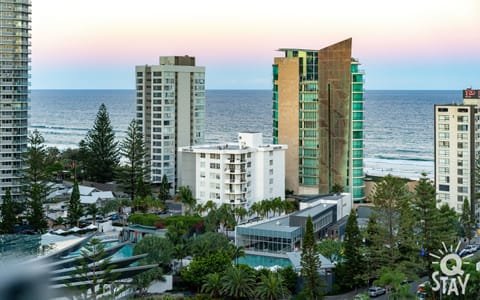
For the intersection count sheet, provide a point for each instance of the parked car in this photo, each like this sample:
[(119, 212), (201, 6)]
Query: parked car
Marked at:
[(375, 291)]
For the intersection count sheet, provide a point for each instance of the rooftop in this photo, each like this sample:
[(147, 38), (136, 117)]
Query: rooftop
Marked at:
[(313, 211), (279, 224), (310, 199)]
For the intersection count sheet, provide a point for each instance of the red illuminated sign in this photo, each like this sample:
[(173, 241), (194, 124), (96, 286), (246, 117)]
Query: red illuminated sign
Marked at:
[(471, 94)]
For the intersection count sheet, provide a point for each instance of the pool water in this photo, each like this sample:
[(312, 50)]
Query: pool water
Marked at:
[(125, 251), (265, 261)]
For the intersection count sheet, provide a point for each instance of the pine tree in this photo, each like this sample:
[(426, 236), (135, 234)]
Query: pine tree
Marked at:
[(354, 264), (135, 170), (75, 211), (434, 229), (36, 180), (164, 193), (387, 197), (95, 269), (100, 148), (408, 248), (9, 219), (376, 255), (466, 219), (310, 262)]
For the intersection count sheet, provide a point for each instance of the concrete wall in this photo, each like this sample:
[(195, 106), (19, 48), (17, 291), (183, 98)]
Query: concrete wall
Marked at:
[(288, 108)]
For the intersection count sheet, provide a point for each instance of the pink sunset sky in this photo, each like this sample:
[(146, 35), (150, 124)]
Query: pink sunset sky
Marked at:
[(409, 44)]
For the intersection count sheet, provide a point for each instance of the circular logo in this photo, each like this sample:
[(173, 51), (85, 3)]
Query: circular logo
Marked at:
[(452, 270)]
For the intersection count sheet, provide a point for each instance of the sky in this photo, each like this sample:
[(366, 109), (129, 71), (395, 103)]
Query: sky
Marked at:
[(408, 44)]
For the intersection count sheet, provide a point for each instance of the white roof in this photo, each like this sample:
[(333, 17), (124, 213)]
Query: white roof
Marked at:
[(88, 199), (59, 231), (84, 190), (74, 229), (103, 195)]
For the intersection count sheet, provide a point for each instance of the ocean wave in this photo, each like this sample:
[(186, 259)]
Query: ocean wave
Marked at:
[(58, 127), (403, 157)]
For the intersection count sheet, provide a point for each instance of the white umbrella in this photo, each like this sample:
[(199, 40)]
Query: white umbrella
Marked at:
[(74, 229), (91, 226)]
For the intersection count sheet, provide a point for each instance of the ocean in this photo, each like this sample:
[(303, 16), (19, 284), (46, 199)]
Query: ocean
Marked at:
[(398, 124)]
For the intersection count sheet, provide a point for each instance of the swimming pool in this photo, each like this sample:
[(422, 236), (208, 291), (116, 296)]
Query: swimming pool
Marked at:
[(125, 251), (265, 261)]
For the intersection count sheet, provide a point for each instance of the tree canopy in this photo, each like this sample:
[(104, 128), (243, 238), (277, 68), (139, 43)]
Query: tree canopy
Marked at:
[(99, 149)]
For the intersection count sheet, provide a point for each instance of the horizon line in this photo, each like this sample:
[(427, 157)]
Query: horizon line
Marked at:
[(220, 89)]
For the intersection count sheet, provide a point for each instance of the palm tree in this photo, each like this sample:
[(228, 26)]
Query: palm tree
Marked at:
[(240, 212), (225, 217), (200, 209), (271, 287), (60, 222), (185, 196), (254, 209), (237, 284), (212, 285), (239, 252), (265, 207), (209, 206), (277, 205), (289, 206), (93, 210)]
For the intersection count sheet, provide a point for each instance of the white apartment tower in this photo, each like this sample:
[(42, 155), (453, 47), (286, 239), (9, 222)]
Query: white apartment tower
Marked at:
[(457, 147), (170, 110), (237, 173), (14, 96)]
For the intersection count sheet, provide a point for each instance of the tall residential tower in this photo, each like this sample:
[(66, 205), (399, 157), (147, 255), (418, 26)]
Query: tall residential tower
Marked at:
[(14, 96), (457, 150), (318, 113), (170, 111)]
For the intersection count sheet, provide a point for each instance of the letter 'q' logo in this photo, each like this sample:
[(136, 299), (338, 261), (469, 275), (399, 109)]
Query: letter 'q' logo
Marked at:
[(453, 276)]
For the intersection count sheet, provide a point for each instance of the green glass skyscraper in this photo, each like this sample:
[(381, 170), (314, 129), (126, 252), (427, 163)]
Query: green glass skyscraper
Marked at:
[(318, 113)]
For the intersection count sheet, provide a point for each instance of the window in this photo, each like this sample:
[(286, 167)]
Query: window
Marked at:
[(460, 172), (202, 155), (444, 179), (462, 127), (462, 189), (443, 118), (443, 197), (444, 135), (444, 161), (444, 170), (442, 109), (443, 127), (463, 110), (461, 145), (271, 162), (462, 119), (270, 181), (444, 188), (460, 180), (444, 144), (444, 153)]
